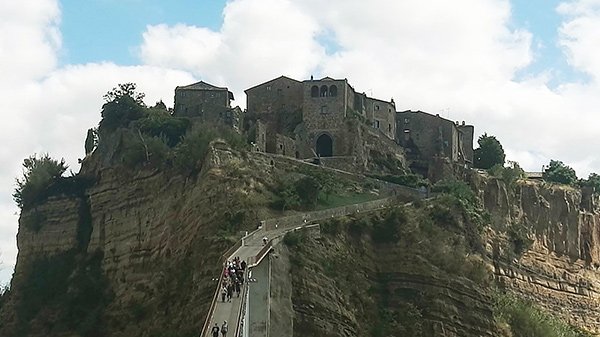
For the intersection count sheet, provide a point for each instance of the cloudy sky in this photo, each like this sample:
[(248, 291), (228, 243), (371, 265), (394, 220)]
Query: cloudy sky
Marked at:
[(526, 71)]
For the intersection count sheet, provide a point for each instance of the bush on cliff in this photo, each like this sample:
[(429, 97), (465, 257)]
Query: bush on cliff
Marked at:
[(38, 174), (525, 319), (559, 172)]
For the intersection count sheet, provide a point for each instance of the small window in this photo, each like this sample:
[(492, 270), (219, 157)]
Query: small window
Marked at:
[(377, 124), (389, 127), (324, 91), (281, 146), (268, 88), (333, 91), (324, 109), (376, 107), (406, 120), (314, 91)]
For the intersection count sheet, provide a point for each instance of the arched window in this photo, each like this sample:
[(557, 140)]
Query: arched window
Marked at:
[(323, 92), (333, 91), (314, 91)]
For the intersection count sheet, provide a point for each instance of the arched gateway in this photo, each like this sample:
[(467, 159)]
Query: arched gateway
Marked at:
[(324, 146)]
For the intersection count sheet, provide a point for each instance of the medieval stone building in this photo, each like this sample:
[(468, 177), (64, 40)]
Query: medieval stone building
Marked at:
[(309, 118), (206, 102), (328, 119), (425, 136)]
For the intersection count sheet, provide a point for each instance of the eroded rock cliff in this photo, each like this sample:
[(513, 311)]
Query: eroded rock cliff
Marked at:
[(558, 270)]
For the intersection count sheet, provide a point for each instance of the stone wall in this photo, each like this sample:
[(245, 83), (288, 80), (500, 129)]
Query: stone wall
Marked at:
[(276, 96), (200, 103)]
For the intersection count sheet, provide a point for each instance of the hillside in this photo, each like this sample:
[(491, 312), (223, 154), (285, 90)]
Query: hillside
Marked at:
[(132, 245)]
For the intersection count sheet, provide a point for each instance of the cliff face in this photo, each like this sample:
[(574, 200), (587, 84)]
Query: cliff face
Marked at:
[(559, 270), (159, 236)]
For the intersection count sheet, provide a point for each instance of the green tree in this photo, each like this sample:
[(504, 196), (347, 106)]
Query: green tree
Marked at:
[(308, 189), (125, 90), (593, 180), (38, 174), (489, 152), (559, 172), (123, 105)]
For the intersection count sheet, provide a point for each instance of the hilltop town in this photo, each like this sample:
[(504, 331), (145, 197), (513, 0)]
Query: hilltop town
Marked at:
[(329, 120)]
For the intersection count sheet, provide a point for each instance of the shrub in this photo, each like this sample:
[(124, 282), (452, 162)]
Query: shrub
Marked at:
[(388, 230), (159, 123), (519, 238), (526, 319), (509, 175), (308, 189), (293, 238), (38, 175), (144, 149), (409, 179), (558, 172)]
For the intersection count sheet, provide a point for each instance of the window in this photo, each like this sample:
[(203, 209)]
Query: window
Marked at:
[(314, 91), (376, 107), (268, 88), (376, 124), (406, 120), (323, 92), (333, 91), (389, 127), (324, 109)]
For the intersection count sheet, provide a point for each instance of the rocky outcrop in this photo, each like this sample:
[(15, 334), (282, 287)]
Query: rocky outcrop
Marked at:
[(559, 271)]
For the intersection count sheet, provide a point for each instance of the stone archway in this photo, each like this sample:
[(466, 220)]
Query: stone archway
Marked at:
[(324, 146)]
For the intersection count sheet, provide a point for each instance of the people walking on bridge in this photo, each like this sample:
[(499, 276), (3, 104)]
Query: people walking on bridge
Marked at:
[(224, 329), (215, 330), (229, 292), (237, 288), (223, 293)]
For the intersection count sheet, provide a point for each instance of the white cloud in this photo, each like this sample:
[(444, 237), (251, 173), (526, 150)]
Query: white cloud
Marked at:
[(49, 109)]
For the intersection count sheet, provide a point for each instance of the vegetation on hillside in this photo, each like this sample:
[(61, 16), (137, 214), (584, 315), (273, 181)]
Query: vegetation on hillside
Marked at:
[(38, 174), (559, 172)]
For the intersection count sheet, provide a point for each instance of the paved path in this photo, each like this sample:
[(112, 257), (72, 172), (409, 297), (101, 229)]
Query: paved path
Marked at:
[(230, 311)]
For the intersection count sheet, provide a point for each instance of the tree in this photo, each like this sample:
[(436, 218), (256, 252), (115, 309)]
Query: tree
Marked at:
[(38, 174), (125, 90), (558, 172), (123, 105), (489, 152), (593, 180)]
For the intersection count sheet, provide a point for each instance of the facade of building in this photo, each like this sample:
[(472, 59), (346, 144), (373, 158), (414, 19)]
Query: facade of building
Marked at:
[(328, 118), (313, 114), (208, 103), (425, 136)]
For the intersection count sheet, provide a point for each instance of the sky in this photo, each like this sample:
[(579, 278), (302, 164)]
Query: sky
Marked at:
[(525, 71)]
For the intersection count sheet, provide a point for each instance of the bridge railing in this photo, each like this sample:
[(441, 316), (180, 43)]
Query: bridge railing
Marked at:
[(213, 304)]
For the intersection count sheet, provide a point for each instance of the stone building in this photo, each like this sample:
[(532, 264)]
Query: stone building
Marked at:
[(425, 136), (310, 118), (208, 103)]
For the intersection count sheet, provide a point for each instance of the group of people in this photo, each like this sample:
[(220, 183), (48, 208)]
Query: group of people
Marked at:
[(233, 279), (215, 329)]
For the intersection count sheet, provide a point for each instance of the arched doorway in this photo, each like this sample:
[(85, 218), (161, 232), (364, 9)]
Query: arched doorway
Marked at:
[(324, 146)]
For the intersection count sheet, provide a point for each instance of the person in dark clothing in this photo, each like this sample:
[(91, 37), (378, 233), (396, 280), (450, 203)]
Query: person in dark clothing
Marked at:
[(229, 292), (215, 330), (237, 288), (223, 294), (243, 265)]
